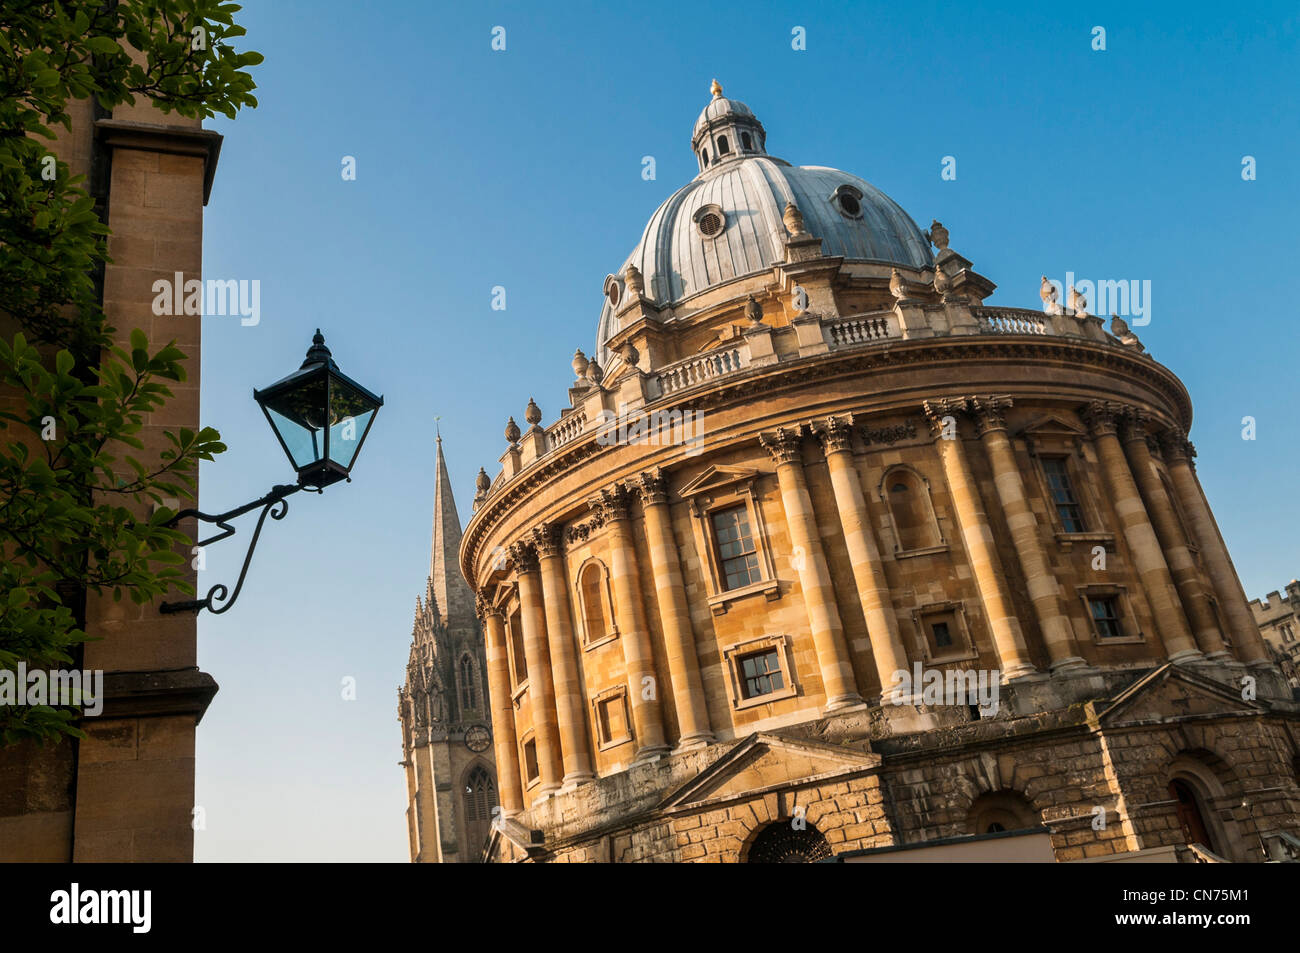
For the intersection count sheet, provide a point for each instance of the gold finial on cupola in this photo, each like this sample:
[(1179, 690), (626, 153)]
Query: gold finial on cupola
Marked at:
[(716, 89)]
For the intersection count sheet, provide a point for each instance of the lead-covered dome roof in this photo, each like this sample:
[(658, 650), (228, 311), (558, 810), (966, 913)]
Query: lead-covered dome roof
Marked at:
[(727, 223)]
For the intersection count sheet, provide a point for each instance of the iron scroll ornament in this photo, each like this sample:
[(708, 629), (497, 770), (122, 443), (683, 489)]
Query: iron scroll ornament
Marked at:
[(219, 597)]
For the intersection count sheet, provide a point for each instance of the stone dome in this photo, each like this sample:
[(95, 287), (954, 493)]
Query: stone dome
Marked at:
[(726, 224)]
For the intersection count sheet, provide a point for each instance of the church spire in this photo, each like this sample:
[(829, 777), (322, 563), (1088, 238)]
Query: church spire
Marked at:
[(452, 595)]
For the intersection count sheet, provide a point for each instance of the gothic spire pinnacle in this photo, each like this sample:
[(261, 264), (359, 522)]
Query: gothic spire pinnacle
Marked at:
[(452, 599)]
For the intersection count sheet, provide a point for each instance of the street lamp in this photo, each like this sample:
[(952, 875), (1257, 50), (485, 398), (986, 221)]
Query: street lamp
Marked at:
[(321, 418)]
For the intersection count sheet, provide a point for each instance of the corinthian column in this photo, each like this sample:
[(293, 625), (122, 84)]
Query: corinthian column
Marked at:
[(814, 575), (510, 787), (674, 615), (570, 709), (1149, 561), (541, 692), (1044, 591), (887, 648), (1187, 578), (1247, 641), (977, 536), (638, 654)]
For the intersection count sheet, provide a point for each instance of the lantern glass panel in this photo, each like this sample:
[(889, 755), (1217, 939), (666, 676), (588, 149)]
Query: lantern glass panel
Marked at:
[(350, 415), (298, 415)]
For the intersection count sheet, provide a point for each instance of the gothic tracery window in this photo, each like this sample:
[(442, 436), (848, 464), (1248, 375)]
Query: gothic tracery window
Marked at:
[(480, 796), (468, 693)]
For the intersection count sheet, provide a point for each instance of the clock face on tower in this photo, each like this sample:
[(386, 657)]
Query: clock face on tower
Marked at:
[(478, 738)]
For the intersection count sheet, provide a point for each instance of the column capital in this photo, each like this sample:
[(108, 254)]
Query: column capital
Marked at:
[(938, 409), (1176, 447), (652, 487), (1102, 417), (524, 555), (835, 434), (485, 609), (990, 412), (1133, 423), (783, 443), (611, 504), (548, 540)]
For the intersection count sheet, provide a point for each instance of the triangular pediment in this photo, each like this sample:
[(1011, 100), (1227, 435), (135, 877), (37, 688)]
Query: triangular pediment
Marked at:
[(717, 477), (764, 762), (1050, 425), (1172, 692)]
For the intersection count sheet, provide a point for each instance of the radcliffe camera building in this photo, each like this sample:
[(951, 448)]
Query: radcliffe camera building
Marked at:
[(836, 463)]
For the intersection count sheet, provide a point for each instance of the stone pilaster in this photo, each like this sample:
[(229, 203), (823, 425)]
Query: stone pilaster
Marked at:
[(570, 705), (537, 655), (977, 536), (814, 576), (1247, 642), (1183, 568), (674, 615), (1044, 590), (887, 649), (1102, 420), (510, 785), (638, 654)]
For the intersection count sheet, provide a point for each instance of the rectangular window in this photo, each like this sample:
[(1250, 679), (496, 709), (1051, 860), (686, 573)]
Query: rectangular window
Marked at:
[(1067, 505), (517, 648), (1105, 616), (760, 673), (942, 637), (737, 557), (611, 719), (531, 772)]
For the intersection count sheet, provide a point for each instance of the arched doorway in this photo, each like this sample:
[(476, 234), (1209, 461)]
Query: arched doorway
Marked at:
[(781, 843), (1187, 805), (1000, 811)]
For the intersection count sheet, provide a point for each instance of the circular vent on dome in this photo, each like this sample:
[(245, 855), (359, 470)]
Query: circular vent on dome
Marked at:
[(710, 220)]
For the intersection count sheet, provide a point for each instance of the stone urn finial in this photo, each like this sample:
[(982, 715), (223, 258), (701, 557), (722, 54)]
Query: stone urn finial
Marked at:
[(632, 278), (753, 311), (1119, 327), (938, 235), (482, 482), (1047, 291), (512, 431), (594, 373), (1078, 303), (941, 283), (533, 413), (793, 219), (897, 286), (580, 364), (629, 354)]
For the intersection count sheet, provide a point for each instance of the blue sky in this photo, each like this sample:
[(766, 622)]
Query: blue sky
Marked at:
[(522, 168)]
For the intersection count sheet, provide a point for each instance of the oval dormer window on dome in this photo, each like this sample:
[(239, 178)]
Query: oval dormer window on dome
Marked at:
[(613, 290), (848, 199), (710, 220)]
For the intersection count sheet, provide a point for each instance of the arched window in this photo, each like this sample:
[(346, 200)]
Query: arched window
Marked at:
[(747, 142), (468, 695), (909, 506), (593, 597), (480, 796), (1000, 811), (724, 148), (517, 647), (704, 157), (781, 843)]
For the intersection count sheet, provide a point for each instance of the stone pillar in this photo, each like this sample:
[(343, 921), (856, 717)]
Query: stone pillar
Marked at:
[(1247, 641), (674, 615), (541, 692), (570, 703), (1044, 590), (510, 788), (638, 654), (1183, 568), (887, 648), (814, 575), (1013, 654), (1149, 561)]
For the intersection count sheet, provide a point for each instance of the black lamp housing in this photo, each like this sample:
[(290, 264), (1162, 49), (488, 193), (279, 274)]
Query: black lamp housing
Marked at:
[(320, 416)]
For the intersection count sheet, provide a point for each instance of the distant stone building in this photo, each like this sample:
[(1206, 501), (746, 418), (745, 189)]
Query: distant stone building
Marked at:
[(807, 480), (443, 706), (1278, 618)]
